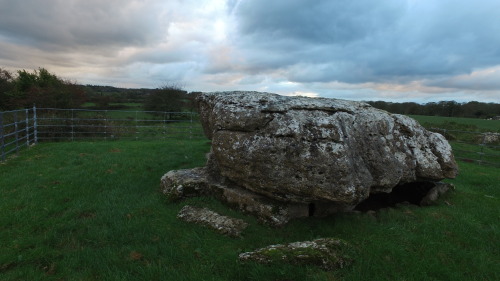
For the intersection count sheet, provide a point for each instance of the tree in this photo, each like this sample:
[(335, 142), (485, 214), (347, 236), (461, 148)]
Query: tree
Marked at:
[(43, 89), (168, 98), (6, 87), (192, 105)]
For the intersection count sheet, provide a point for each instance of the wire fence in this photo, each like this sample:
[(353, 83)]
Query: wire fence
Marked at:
[(23, 128), (79, 124), (479, 147), (17, 130)]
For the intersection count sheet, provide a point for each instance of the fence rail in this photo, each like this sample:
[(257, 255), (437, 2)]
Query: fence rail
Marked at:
[(20, 128), (23, 128), (480, 147), (17, 129), (76, 124)]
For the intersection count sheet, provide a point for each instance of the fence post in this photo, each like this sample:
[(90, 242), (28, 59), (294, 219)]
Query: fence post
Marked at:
[(16, 133), (72, 124), (27, 128), (2, 141), (136, 126), (165, 129), (35, 124), (106, 125), (191, 125), (481, 153)]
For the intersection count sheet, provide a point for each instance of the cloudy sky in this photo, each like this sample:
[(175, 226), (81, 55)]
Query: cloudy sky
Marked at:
[(393, 50)]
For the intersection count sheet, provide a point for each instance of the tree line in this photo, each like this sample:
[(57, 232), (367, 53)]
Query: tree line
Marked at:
[(472, 109), (39, 87), (25, 89)]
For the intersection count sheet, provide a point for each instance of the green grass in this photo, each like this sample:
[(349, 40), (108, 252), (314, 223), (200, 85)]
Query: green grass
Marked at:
[(124, 105), (114, 124), (125, 114), (129, 105), (481, 154), (465, 137), (93, 211), (439, 122), (88, 104)]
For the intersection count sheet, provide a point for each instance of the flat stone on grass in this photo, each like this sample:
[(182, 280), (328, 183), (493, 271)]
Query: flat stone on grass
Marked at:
[(327, 253), (203, 216)]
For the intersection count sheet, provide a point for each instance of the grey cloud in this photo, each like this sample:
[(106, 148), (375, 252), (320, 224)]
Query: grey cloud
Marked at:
[(317, 21), (486, 80), (160, 55), (77, 24), (370, 41), (378, 47), (231, 5)]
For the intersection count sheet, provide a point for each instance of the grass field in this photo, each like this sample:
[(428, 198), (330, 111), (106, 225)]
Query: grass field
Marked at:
[(465, 137), (122, 105), (471, 123), (93, 211), (70, 124)]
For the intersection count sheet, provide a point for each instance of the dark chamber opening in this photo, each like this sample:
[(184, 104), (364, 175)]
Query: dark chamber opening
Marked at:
[(412, 193), (312, 209)]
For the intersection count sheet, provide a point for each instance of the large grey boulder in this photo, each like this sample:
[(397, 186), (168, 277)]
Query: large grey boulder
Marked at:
[(298, 149), (308, 156)]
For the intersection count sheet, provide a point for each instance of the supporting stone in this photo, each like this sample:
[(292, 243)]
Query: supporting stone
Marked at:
[(180, 184)]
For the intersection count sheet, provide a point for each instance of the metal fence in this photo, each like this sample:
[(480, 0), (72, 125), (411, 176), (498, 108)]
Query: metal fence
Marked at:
[(78, 124), (17, 130), (20, 128), (479, 147)]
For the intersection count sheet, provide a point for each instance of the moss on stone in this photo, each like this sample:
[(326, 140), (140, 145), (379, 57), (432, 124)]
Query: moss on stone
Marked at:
[(327, 253)]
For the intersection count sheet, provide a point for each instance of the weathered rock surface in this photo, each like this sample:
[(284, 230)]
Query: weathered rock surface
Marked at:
[(327, 253), (435, 192), (285, 157), (206, 217), (489, 138), (196, 182), (298, 149), (180, 184)]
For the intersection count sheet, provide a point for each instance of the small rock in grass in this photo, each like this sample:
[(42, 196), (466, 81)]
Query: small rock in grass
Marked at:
[(184, 183), (434, 193), (327, 253), (225, 225)]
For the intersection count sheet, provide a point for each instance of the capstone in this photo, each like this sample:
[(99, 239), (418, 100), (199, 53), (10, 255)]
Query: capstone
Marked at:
[(308, 156)]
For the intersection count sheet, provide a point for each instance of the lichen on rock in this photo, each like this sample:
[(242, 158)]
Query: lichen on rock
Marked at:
[(282, 157), (206, 217), (298, 149), (327, 253), (180, 184)]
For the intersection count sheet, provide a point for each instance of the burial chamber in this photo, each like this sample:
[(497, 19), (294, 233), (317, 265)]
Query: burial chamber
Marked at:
[(281, 157)]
